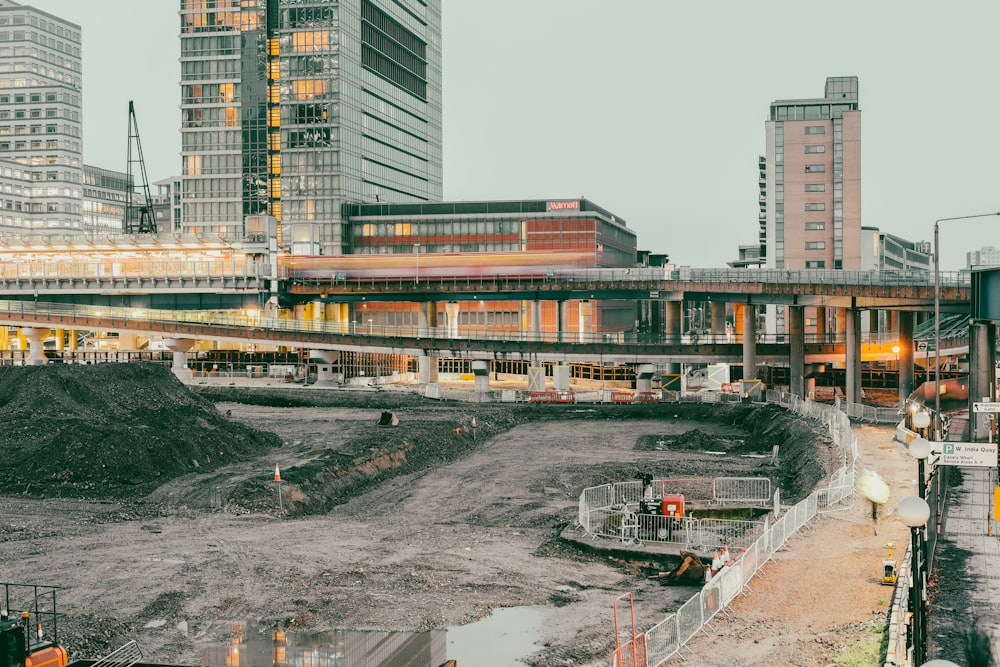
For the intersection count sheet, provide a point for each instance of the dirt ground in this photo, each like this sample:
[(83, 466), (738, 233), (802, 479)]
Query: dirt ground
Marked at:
[(435, 523)]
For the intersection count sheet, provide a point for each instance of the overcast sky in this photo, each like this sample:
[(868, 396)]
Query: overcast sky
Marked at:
[(653, 109)]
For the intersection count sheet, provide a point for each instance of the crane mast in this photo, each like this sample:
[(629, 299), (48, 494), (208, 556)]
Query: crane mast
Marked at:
[(138, 206)]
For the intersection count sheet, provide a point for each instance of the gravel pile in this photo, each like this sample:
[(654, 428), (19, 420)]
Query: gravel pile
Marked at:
[(110, 431)]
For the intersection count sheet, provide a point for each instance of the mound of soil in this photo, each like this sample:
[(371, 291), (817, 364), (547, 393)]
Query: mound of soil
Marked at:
[(110, 431)]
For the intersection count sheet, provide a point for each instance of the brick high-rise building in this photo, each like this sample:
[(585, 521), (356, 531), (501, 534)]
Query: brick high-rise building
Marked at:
[(813, 180)]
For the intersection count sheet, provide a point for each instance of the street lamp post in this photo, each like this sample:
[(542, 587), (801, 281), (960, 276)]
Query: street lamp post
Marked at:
[(921, 420), (914, 512), (937, 317), (920, 449), (899, 376)]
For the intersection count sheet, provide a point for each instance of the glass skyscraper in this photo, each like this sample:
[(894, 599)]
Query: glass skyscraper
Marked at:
[(295, 108)]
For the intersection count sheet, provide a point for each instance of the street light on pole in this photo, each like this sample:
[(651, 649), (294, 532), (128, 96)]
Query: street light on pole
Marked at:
[(921, 420), (914, 512), (920, 449), (937, 317)]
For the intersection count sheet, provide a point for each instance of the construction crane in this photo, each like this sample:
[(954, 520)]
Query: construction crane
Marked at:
[(138, 206)]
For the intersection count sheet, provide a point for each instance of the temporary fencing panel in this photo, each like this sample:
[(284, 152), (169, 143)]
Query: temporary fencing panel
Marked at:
[(690, 619), (694, 489), (662, 640), (743, 489)]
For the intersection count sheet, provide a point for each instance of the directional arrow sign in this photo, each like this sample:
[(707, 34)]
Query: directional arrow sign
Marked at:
[(966, 454), (986, 407)]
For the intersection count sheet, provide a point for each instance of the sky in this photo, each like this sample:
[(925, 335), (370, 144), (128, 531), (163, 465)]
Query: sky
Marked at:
[(652, 109)]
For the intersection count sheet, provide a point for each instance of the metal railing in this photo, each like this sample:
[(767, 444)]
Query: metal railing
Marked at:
[(666, 638)]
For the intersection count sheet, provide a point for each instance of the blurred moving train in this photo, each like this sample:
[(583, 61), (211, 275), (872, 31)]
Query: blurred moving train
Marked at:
[(528, 264)]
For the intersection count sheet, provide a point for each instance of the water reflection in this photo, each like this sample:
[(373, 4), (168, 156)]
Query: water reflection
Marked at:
[(251, 646), (502, 639)]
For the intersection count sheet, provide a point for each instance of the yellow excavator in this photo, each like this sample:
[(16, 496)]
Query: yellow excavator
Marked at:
[(889, 573)]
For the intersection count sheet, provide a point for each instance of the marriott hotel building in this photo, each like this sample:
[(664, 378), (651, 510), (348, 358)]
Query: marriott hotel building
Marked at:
[(296, 108)]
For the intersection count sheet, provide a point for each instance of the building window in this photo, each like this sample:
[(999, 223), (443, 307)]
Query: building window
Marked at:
[(817, 264), (815, 129), (815, 207), (815, 187), (812, 226), (816, 149), (815, 245), (815, 168)]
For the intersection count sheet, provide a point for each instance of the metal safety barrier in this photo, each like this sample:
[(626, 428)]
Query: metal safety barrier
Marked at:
[(666, 638)]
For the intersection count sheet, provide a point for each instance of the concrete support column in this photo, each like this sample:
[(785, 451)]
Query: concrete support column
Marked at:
[(749, 342), (893, 317), (535, 319), (481, 385), (718, 318), (299, 311), (427, 369), (35, 338), (427, 319), (905, 356), (5, 338), (644, 377), (536, 378), (324, 365), (842, 317), (852, 365), (982, 362), (672, 332), (560, 377), (452, 309), (60, 339), (585, 319), (72, 339), (563, 321), (873, 328), (180, 347), (673, 323), (797, 351)]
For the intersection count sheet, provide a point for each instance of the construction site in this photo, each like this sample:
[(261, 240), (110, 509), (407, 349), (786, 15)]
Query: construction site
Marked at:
[(168, 513)]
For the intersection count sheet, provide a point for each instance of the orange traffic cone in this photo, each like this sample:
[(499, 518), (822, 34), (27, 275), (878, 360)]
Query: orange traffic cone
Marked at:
[(277, 473), (716, 562), (726, 558)]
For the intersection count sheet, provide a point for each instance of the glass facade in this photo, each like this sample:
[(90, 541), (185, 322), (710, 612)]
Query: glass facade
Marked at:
[(577, 227), (104, 197), (40, 123), (296, 108)]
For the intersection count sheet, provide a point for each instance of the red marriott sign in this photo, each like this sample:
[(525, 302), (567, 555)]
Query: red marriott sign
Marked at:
[(562, 206)]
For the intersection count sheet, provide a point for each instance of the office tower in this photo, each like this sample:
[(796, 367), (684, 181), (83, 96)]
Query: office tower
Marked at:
[(40, 120), (295, 108), (813, 180)]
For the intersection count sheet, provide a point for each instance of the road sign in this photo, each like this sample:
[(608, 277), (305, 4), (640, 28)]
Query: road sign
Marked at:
[(924, 346), (654, 294), (986, 407), (966, 454)]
